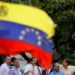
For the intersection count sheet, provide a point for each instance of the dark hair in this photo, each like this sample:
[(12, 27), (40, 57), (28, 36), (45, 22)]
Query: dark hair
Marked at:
[(5, 56), (31, 59), (66, 60), (13, 59)]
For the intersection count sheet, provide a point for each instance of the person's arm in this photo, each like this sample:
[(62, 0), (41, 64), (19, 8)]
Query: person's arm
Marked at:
[(27, 70), (26, 73), (1, 72)]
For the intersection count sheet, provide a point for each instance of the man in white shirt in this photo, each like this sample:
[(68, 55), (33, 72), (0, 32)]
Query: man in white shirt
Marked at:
[(4, 69), (15, 70), (32, 69), (68, 70)]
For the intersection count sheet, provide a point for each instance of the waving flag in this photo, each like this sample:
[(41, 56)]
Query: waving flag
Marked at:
[(26, 29)]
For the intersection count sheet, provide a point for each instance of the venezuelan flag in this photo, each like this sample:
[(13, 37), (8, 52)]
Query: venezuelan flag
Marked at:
[(26, 29)]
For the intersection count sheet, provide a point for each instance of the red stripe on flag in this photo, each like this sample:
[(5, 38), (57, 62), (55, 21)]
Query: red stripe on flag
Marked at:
[(14, 47)]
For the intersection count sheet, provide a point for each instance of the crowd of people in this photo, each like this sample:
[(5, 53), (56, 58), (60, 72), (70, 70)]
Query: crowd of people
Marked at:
[(11, 66), (63, 69)]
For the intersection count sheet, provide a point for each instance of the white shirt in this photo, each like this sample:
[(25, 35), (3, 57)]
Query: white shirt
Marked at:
[(37, 70), (14, 71), (32, 70), (69, 71), (4, 69)]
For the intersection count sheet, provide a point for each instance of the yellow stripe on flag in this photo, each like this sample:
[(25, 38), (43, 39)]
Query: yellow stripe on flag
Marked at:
[(27, 15)]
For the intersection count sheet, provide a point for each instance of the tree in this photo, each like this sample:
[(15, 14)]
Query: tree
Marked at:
[(63, 14)]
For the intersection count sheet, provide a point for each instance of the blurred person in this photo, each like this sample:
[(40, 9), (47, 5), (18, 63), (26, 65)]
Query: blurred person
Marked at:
[(44, 72), (15, 70), (32, 68), (51, 69), (68, 70), (11, 63), (57, 70), (4, 69)]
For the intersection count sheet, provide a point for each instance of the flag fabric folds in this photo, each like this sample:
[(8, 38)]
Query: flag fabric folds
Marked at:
[(26, 29)]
